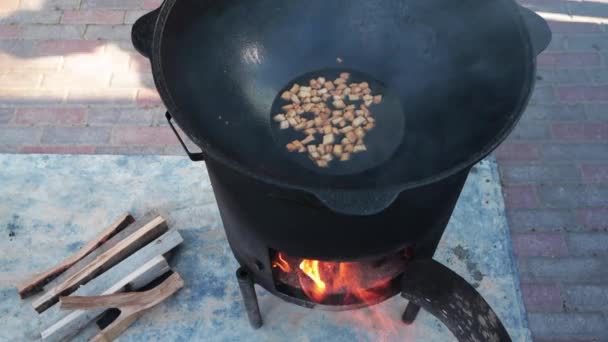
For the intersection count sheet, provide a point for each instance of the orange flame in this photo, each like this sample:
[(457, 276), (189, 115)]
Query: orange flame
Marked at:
[(320, 279), (282, 264), (311, 269)]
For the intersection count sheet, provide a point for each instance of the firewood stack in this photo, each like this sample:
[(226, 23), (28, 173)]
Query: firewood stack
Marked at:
[(124, 257)]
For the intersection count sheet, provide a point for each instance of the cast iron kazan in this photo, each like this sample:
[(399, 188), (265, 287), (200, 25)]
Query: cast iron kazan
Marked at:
[(461, 71)]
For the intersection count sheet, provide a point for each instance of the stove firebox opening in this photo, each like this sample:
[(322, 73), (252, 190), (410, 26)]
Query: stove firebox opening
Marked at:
[(340, 285)]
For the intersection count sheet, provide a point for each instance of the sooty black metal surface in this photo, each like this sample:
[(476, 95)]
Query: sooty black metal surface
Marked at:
[(451, 299), (463, 72)]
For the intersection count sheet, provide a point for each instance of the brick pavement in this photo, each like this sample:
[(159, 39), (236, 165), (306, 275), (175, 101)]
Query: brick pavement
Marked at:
[(70, 82), (554, 170)]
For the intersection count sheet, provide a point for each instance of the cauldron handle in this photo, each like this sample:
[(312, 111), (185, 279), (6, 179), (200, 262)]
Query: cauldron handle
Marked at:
[(142, 32), (200, 156), (446, 295), (540, 33)]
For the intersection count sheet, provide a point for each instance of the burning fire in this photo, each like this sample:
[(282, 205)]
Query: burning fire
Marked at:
[(345, 283), (282, 263), (321, 279)]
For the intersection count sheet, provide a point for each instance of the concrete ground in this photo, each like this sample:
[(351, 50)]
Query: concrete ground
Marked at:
[(48, 210), (70, 82)]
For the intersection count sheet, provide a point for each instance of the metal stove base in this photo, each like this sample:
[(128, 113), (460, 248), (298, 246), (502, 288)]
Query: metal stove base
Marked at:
[(50, 202)]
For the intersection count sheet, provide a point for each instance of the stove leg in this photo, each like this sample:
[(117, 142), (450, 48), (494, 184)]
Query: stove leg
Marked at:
[(410, 313), (249, 297)]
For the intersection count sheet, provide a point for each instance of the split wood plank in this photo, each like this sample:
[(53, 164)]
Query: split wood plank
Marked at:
[(99, 251), (99, 285), (111, 257), (77, 320), (131, 305), (36, 283)]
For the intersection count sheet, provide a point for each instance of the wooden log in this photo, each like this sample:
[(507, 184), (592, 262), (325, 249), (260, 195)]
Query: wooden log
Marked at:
[(99, 285), (36, 283), (99, 251), (137, 305), (75, 321), (103, 262), (144, 299)]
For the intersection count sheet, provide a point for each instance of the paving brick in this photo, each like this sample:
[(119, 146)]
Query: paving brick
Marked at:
[(569, 59), (100, 61), (102, 17), (67, 47), (582, 93), (539, 244), (148, 98), (12, 97), (585, 42), (598, 76), (555, 112), (101, 96), (75, 136), (595, 173), (580, 131), (586, 298), (10, 31), (19, 135), (560, 152), (132, 16), (547, 173), (70, 79), (50, 116), (152, 4), (594, 218), (20, 80), (530, 131), (574, 27), (520, 196), (542, 220), (543, 95), (587, 8), (588, 244), (140, 63), (124, 116), (542, 297), (559, 42), (130, 150), (6, 115), (597, 112), (571, 270), (566, 76), (112, 4), (15, 63), (517, 151), (8, 6), (178, 150), (573, 196), (132, 80), (36, 17), (37, 5), (58, 149), (544, 5), (113, 32), (560, 325), (143, 136), (60, 32)]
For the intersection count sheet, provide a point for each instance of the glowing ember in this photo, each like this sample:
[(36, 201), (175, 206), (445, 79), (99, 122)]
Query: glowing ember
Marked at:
[(282, 264), (311, 269)]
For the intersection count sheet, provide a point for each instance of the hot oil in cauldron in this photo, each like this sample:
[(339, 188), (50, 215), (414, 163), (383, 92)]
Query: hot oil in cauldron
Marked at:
[(375, 139)]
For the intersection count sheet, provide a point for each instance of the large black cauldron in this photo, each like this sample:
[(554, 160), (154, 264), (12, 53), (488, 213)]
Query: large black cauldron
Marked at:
[(461, 72)]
